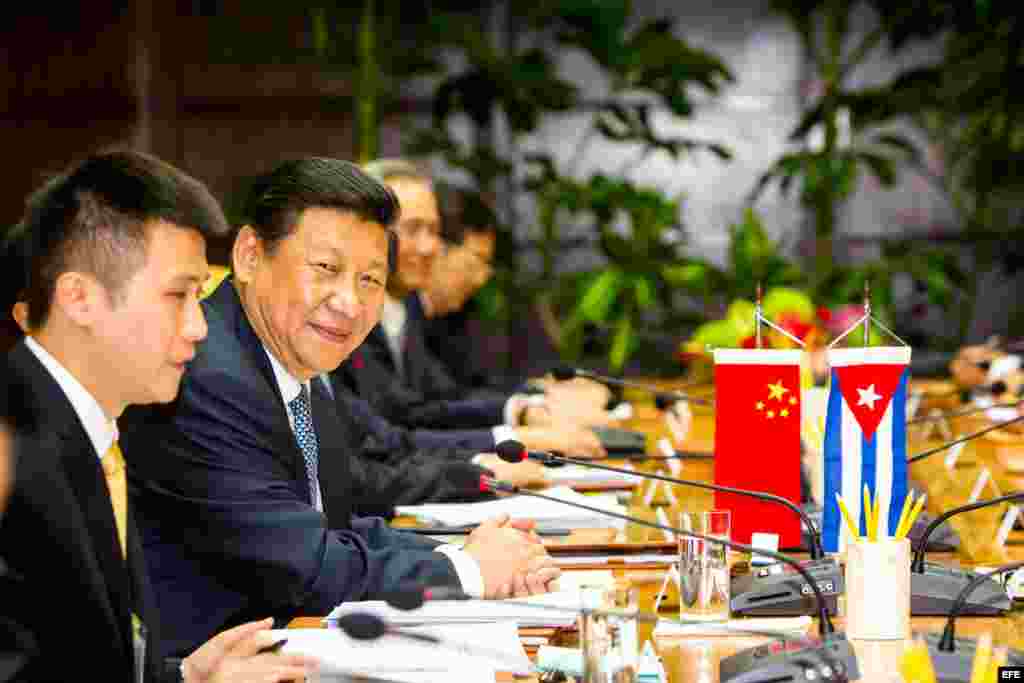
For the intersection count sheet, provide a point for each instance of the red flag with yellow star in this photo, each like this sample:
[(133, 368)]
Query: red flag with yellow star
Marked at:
[(757, 439)]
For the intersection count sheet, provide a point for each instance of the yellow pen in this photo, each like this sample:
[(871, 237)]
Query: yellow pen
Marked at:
[(854, 534), (981, 658), (875, 514), (867, 512), (916, 665), (998, 660), (908, 502), (913, 514)]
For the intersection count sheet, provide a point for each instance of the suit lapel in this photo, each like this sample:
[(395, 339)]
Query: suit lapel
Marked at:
[(94, 531), (225, 302), (334, 441)]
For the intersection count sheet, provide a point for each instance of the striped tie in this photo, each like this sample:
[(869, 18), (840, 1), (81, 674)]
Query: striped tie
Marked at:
[(113, 469)]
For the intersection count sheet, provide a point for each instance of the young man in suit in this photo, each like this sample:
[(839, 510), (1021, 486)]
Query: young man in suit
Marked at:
[(401, 379), (246, 507), (112, 257)]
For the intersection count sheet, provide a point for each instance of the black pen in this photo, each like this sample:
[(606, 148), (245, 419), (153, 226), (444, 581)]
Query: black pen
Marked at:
[(273, 647)]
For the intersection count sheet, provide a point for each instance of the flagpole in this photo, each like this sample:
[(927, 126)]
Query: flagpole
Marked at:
[(867, 311), (757, 317)]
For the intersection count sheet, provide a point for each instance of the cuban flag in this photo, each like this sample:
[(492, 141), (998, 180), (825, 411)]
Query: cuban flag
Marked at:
[(865, 438)]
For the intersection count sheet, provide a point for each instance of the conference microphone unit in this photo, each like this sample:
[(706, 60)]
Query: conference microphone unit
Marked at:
[(952, 657), (935, 587), (565, 372), (744, 666), (786, 658), (513, 451)]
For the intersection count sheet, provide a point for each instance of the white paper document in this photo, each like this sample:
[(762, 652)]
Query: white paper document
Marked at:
[(547, 513), (465, 653), (579, 473)]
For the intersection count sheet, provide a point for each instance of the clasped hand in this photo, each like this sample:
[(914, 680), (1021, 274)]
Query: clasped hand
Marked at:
[(512, 560)]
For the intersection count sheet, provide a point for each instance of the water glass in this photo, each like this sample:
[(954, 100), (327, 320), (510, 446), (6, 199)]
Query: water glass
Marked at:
[(704, 566)]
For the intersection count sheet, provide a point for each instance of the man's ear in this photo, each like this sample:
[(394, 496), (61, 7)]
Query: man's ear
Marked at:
[(80, 297), (246, 254)]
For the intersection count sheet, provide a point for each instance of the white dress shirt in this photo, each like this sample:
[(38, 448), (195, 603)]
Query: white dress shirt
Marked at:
[(102, 430), (466, 568)]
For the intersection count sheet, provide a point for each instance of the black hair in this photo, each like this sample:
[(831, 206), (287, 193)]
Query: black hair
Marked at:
[(94, 218), (276, 199), (463, 211)]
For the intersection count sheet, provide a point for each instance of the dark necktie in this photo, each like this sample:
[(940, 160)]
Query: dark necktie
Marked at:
[(306, 437)]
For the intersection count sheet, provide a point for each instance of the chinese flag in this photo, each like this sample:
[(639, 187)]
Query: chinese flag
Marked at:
[(757, 439)]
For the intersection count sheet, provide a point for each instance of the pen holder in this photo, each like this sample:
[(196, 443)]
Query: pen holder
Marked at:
[(878, 589)]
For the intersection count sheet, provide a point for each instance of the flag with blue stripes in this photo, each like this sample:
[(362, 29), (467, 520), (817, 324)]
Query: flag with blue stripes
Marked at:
[(865, 438)]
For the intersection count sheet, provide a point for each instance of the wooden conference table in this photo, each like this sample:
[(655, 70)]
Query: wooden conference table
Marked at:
[(695, 657)]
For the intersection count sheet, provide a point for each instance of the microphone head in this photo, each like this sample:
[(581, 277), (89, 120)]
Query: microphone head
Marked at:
[(563, 373), (998, 387), (362, 625), (405, 598), (511, 450), (663, 402)]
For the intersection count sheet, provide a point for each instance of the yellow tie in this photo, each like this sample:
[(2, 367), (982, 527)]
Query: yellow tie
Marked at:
[(113, 468)]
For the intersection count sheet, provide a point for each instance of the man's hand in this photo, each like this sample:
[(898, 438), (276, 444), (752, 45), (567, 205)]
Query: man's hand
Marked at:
[(573, 441), (579, 391), (526, 473), (503, 550), (232, 656)]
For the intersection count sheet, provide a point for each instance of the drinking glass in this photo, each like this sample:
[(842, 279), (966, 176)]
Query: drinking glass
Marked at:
[(703, 566)]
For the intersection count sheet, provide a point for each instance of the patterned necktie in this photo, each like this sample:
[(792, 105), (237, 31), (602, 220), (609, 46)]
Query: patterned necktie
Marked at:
[(113, 470), (306, 437)]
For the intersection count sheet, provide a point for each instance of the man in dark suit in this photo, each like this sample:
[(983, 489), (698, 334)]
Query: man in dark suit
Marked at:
[(245, 506), (113, 257), (401, 379)]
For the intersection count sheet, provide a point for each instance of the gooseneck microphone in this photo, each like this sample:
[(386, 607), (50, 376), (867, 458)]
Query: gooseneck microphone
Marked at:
[(825, 626), (947, 644), (661, 396), (964, 439), (953, 657), (918, 563), (513, 451)]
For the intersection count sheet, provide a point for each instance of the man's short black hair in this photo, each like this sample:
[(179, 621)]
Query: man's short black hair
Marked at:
[(94, 218), (276, 199), (463, 211)]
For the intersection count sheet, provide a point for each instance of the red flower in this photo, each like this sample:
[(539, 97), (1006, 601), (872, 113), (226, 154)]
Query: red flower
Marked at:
[(824, 314)]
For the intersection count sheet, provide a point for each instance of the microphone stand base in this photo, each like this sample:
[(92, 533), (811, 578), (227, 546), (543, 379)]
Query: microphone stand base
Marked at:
[(832, 660), (955, 666)]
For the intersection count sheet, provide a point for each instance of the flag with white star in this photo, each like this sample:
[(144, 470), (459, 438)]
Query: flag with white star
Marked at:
[(865, 437), (757, 438)]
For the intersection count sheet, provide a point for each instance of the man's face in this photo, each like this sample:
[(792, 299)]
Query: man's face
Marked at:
[(314, 300), (419, 233), (150, 329), (461, 271)]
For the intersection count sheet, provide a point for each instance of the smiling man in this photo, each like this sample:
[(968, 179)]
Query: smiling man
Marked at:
[(246, 507)]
